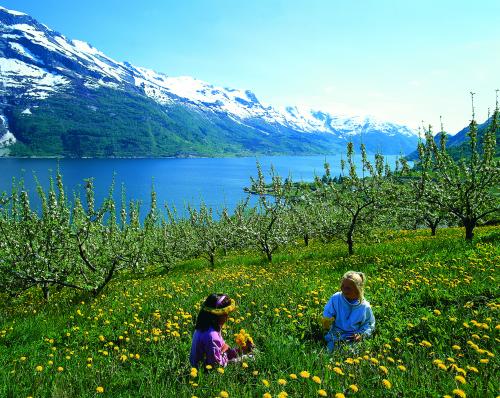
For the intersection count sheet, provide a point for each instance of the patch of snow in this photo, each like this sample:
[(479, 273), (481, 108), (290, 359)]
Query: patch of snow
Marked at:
[(91, 84), (9, 36), (23, 51), (27, 111), (19, 68), (238, 103), (86, 48), (7, 138), (16, 73), (13, 12), (38, 37)]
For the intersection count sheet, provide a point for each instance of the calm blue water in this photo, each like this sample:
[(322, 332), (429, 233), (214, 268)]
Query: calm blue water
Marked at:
[(218, 182)]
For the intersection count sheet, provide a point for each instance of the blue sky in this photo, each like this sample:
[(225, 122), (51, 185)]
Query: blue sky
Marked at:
[(403, 61)]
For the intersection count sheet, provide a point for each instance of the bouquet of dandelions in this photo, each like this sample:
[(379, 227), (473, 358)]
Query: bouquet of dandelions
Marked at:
[(244, 341)]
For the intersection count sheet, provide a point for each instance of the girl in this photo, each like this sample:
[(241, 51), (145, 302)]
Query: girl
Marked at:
[(353, 316), (208, 345)]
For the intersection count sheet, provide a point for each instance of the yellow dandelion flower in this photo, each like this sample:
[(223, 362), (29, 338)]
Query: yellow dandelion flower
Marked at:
[(293, 376), (460, 379), (265, 382), (267, 395), (383, 369), (354, 388), (316, 379), (484, 360), (402, 368), (322, 393), (224, 394), (459, 393), (194, 372), (339, 395), (99, 390), (60, 369), (208, 367), (220, 370), (282, 382), (39, 368), (304, 374), (283, 394), (387, 384), (338, 371), (255, 372), (244, 365)]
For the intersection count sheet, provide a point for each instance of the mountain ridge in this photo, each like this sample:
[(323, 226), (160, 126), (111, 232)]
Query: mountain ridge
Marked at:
[(37, 63)]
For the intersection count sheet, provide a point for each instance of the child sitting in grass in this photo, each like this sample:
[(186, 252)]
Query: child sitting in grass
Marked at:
[(347, 315), (208, 346)]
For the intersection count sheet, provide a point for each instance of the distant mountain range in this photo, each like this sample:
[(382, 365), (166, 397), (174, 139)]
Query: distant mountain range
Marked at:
[(62, 97), (458, 145)]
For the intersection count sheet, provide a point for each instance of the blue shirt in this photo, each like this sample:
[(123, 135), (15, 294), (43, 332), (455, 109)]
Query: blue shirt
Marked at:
[(350, 317)]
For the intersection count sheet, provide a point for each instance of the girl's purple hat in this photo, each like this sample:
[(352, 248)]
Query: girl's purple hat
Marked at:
[(220, 300)]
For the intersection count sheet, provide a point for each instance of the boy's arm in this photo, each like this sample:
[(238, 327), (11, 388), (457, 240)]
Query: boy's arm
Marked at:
[(328, 314), (368, 325)]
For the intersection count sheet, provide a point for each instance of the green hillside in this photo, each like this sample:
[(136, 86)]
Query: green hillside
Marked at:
[(112, 123)]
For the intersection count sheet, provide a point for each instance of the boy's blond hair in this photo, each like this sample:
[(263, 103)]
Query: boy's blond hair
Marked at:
[(359, 279)]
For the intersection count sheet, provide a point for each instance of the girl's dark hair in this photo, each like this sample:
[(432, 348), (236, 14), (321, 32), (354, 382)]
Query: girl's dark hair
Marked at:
[(205, 319)]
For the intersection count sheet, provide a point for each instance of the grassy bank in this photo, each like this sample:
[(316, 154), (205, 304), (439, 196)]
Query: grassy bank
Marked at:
[(435, 300)]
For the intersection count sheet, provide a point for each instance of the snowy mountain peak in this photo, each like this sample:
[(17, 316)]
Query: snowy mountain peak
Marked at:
[(36, 62), (12, 12)]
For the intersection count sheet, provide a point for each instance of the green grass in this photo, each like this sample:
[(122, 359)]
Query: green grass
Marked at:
[(421, 288)]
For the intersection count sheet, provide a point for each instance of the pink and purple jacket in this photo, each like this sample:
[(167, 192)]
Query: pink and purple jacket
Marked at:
[(207, 348)]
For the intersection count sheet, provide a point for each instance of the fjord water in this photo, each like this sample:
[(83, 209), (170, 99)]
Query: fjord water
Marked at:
[(218, 182)]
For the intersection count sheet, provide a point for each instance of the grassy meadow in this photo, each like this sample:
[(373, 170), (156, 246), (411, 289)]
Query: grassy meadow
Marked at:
[(435, 301)]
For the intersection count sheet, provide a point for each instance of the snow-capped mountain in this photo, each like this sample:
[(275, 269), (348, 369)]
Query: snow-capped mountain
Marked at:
[(64, 90)]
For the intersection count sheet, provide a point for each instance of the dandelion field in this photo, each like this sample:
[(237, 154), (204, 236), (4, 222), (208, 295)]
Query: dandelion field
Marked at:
[(435, 300)]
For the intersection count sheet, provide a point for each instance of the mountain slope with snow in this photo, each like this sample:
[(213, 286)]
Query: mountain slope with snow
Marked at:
[(44, 75)]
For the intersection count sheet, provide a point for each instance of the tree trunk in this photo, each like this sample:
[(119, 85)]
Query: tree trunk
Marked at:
[(46, 291), (433, 229), (212, 261), (433, 224), (469, 229), (109, 276), (306, 239), (350, 244), (269, 253), (350, 232)]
